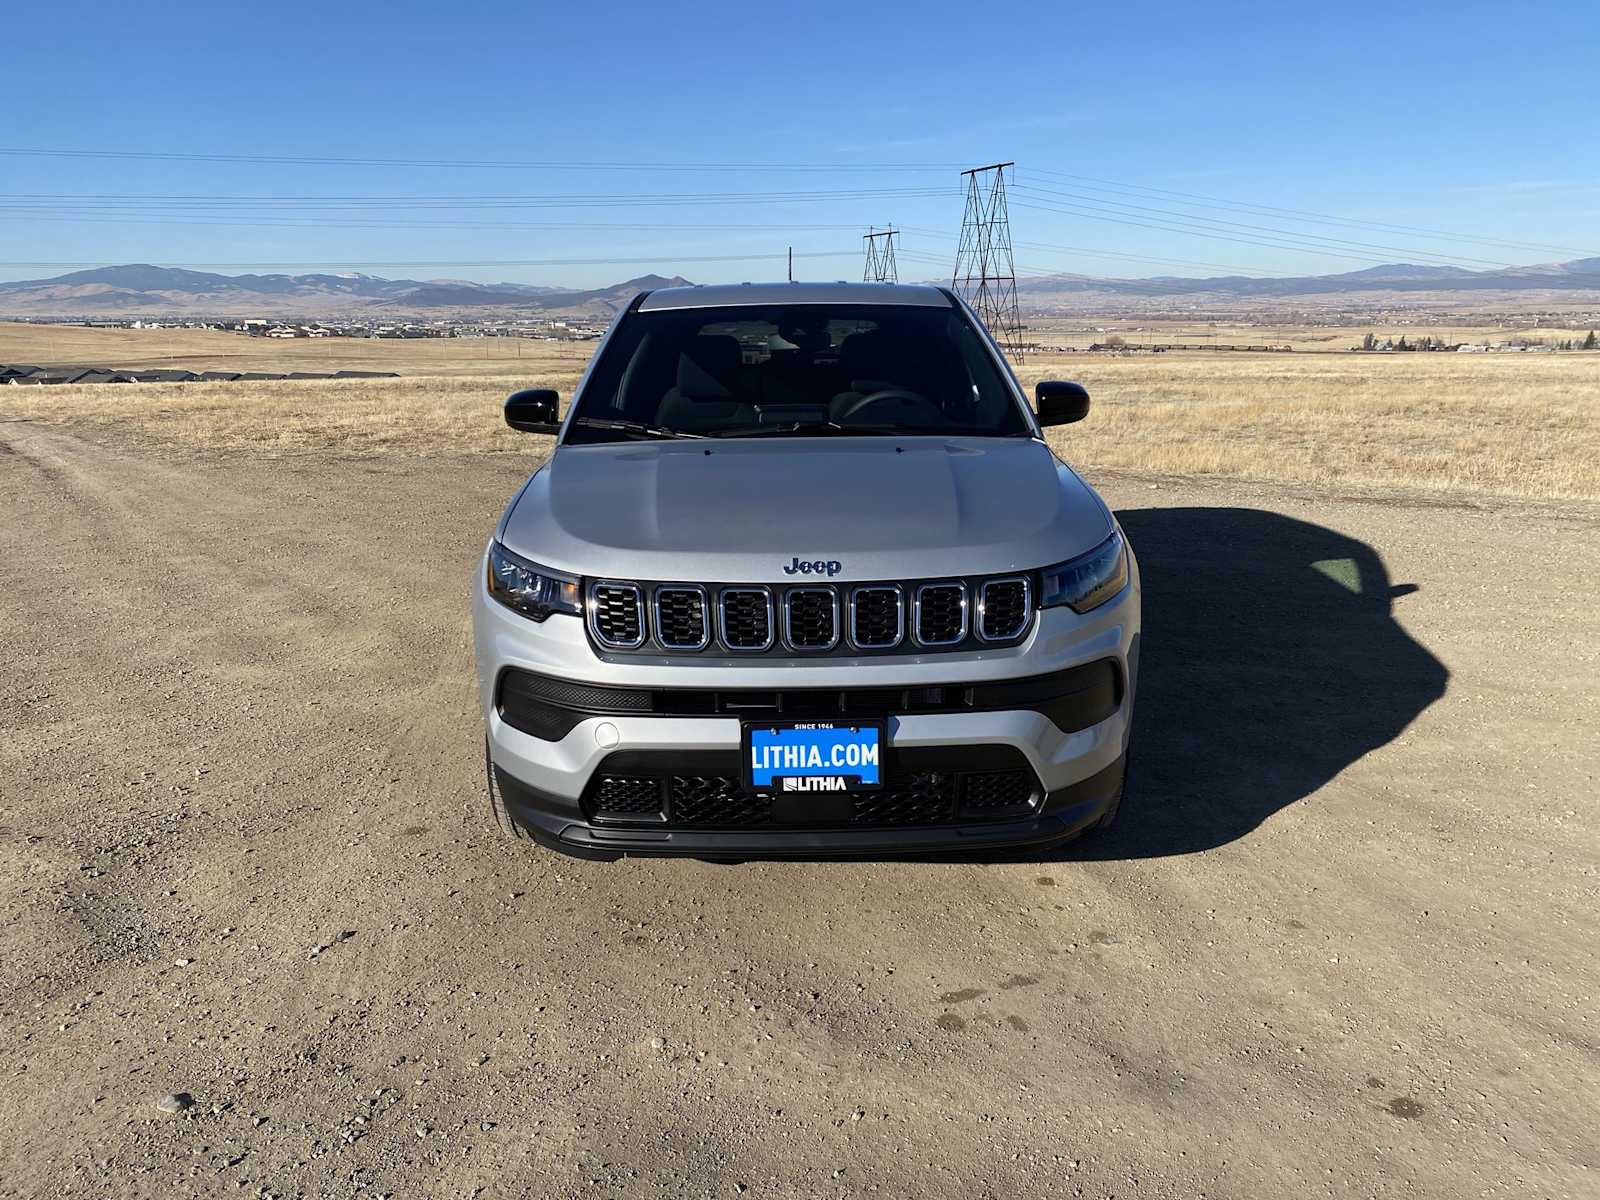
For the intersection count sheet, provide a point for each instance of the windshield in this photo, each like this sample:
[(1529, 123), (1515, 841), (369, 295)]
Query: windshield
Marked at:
[(803, 370)]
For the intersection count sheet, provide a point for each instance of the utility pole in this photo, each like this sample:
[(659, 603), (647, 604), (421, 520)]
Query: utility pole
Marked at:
[(791, 264), (986, 274), (880, 258)]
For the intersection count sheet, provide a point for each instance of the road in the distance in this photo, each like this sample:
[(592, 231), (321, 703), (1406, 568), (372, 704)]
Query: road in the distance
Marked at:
[(1341, 943)]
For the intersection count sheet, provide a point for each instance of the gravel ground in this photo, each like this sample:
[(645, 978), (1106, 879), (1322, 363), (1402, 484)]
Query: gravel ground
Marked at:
[(258, 938)]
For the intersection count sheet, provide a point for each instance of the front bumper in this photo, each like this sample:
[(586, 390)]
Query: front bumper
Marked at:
[(546, 781), (558, 824)]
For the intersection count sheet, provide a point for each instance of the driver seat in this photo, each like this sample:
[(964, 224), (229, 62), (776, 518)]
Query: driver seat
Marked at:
[(863, 358)]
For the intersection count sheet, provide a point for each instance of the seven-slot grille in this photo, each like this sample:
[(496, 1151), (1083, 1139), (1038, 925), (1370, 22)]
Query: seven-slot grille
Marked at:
[(941, 614), (1004, 606), (811, 618), (746, 618), (821, 618), (616, 614), (877, 617), (683, 617)]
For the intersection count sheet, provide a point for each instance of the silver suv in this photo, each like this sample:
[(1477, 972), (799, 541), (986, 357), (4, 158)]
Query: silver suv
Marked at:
[(801, 576)]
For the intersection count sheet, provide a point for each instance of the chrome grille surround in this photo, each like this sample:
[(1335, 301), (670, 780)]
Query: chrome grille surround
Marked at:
[(892, 589), (722, 619), (605, 604), (1024, 615), (789, 638), (662, 626), (920, 618)]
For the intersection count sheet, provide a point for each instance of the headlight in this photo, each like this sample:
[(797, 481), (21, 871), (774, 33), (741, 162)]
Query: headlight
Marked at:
[(530, 589), (1088, 581)]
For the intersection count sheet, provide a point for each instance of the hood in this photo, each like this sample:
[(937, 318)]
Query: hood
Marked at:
[(738, 512)]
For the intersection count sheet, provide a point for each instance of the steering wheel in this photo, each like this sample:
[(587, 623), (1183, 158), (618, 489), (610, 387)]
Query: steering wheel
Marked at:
[(888, 393)]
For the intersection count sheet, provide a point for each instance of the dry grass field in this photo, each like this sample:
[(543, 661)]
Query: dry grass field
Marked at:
[(215, 350), (1079, 333), (1521, 425)]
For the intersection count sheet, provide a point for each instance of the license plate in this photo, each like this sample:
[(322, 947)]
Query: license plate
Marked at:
[(814, 756)]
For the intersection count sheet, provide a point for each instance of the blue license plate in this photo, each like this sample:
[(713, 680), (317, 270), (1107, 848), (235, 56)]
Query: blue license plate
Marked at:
[(816, 756)]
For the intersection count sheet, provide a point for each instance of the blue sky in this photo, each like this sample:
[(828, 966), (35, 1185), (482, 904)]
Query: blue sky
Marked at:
[(1138, 131)]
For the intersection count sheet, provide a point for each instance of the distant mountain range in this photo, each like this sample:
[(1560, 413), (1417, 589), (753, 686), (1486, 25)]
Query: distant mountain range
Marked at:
[(1580, 275), (143, 290)]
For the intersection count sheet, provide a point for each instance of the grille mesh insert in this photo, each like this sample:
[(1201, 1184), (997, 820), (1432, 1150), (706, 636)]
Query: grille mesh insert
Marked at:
[(626, 794), (746, 619), (877, 618), (716, 800), (940, 615), (1005, 609), (618, 614), (997, 789), (813, 623), (682, 619)]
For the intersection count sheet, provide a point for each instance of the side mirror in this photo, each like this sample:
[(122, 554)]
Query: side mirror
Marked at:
[(1061, 402), (533, 411)]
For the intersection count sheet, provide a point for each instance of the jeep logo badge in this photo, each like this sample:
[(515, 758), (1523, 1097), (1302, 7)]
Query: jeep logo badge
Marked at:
[(799, 566)]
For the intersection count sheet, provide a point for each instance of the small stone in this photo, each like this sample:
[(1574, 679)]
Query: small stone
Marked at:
[(181, 962), (176, 1102), (259, 1122), (658, 1043), (485, 1126)]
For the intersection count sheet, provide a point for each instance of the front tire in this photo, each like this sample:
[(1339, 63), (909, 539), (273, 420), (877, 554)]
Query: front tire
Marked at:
[(508, 826), (1110, 815)]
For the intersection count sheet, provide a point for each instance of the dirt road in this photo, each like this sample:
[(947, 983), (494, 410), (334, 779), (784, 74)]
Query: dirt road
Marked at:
[(1341, 943)]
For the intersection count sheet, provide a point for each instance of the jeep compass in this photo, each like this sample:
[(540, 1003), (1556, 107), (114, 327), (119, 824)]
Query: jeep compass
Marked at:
[(802, 577)]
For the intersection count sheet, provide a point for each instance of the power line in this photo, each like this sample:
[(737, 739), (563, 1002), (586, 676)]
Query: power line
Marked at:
[(490, 164), (1141, 191), (1313, 239), (503, 262), (1243, 241)]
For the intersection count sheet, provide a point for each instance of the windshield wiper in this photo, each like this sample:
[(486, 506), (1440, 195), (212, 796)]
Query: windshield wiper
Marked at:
[(636, 429), (778, 429), (834, 429)]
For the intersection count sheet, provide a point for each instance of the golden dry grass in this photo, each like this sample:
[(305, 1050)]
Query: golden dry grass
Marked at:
[(215, 350), (1520, 425)]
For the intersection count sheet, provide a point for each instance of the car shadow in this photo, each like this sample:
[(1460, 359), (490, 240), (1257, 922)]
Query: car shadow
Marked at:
[(1270, 660)]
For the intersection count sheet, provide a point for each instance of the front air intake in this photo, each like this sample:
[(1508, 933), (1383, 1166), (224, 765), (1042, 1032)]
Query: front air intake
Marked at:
[(616, 614), (877, 617), (683, 617), (1004, 606), (745, 617), (941, 614), (811, 618)]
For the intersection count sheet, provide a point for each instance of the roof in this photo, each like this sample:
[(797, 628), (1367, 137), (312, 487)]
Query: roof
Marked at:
[(718, 295)]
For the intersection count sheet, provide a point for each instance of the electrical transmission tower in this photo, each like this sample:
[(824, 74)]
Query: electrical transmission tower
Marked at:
[(986, 275), (880, 258)]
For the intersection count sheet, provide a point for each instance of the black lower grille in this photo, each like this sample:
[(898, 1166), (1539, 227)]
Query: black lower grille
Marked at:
[(986, 790), (715, 800), (930, 786), (1006, 607), (924, 800), (626, 796)]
